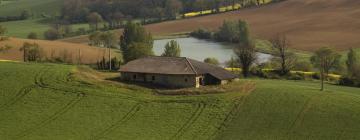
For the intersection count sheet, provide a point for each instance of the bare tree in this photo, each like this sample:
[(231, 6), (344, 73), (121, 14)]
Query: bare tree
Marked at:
[(287, 59), (325, 59)]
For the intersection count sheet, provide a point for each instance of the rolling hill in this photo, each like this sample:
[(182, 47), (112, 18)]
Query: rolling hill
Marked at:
[(309, 24), (50, 101), (88, 54), (36, 7)]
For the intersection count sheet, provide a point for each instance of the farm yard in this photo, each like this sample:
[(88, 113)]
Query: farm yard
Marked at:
[(52, 101)]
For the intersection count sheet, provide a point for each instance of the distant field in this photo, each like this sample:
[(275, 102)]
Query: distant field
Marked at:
[(67, 102), (89, 54), (37, 7), (22, 28), (309, 24)]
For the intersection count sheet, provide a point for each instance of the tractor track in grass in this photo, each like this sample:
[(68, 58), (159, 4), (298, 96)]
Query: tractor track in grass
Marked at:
[(301, 115), (234, 109), (115, 125), (194, 117), (22, 92), (39, 82), (53, 117)]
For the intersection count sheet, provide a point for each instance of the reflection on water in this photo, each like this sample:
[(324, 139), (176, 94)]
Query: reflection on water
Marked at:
[(200, 49)]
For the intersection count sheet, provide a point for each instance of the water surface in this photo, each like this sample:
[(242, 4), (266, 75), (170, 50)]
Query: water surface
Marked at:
[(200, 49)]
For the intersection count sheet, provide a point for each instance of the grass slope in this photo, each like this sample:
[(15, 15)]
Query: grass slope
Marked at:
[(22, 28), (37, 7), (47, 101), (296, 110), (44, 101)]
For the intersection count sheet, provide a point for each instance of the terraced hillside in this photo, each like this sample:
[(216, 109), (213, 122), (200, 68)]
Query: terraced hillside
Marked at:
[(48, 101), (309, 24)]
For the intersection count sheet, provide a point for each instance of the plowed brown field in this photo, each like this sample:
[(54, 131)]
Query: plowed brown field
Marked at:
[(88, 54), (309, 24)]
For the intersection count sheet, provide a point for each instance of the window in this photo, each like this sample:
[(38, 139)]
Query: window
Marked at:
[(134, 76), (153, 78), (186, 80)]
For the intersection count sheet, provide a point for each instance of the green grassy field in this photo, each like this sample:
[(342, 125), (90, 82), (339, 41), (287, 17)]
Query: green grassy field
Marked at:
[(22, 28), (36, 7), (49, 101)]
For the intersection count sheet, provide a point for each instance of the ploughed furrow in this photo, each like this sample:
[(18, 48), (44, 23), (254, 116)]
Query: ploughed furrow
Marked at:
[(117, 124), (194, 117), (53, 117)]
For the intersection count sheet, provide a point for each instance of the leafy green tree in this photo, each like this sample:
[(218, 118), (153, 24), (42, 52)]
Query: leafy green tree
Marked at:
[(133, 36), (228, 32), (172, 49), (325, 59), (211, 60), (245, 51), (94, 19), (352, 63), (138, 50)]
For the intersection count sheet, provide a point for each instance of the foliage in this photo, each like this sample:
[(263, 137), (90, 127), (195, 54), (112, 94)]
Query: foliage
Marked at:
[(172, 49), (201, 34), (94, 19), (303, 66), (211, 60), (2, 30), (52, 34), (325, 59), (283, 55), (352, 63), (135, 38), (245, 51), (228, 32), (32, 35), (32, 52)]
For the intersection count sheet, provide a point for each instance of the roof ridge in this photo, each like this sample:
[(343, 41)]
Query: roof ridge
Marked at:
[(191, 66)]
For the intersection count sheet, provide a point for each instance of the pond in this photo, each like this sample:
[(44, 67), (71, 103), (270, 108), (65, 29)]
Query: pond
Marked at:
[(200, 49)]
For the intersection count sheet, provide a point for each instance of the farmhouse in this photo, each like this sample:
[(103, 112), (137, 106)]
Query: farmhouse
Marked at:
[(178, 72)]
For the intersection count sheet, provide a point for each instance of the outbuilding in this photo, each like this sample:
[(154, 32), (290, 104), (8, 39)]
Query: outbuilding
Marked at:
[(175, 72)]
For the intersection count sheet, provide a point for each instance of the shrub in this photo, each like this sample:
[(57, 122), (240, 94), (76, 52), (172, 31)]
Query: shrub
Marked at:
[(52, 34), (346, 81), (211, 60), (303, 66), (32, 35), (201, 34)]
